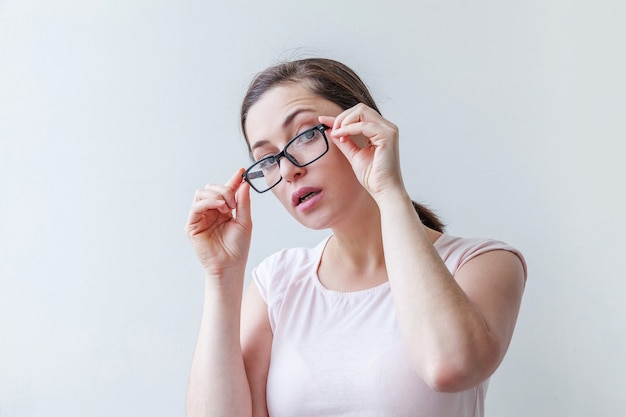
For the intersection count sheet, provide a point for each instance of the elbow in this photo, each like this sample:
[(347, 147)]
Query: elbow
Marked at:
[(451, 376), (449, 379)]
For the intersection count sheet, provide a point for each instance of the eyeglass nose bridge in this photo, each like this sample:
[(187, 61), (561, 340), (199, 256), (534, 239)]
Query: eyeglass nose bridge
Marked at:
[(289, 157)]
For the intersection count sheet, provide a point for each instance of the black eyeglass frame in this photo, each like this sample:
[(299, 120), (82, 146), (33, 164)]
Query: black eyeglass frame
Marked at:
[(248, 176)]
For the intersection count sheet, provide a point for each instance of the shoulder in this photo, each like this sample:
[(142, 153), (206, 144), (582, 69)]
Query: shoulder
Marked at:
[(281, 269), (456, 251), (288, 258)]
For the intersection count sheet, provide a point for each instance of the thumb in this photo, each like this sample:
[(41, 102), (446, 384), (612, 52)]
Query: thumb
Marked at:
[(347, 147), (243, 213)]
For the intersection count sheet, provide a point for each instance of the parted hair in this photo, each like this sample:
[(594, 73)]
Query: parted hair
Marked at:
[(330, 80)]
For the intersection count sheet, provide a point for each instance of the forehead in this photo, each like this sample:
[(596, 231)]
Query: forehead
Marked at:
[(278, 105)]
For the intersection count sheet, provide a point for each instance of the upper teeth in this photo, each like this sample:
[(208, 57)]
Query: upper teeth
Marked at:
[(304, 197)]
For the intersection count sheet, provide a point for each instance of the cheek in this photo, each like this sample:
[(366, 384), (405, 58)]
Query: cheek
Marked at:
[(339, 173), (282, 195)]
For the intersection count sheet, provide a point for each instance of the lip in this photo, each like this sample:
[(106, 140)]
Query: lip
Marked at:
[(295, 197)]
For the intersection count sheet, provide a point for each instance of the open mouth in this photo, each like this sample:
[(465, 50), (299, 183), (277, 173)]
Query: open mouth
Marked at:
[(306, 196)]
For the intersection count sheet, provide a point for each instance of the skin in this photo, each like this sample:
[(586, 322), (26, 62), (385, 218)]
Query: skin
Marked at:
[(456, 329)]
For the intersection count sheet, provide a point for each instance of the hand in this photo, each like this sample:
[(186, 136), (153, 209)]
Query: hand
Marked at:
[(370, 143), (220, 240)]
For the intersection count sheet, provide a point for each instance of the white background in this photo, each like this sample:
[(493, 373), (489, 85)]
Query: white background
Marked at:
[(113, 112)]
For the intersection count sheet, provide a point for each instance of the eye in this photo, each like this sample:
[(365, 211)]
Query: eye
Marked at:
[(307, 136), (266, 163)]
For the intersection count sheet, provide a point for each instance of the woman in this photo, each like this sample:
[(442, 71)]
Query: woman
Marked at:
[(388, 316)]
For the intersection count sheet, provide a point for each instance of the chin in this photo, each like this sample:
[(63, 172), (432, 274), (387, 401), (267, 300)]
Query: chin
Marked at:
[(312, 221)]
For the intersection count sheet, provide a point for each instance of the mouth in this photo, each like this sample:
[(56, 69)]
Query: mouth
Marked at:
[(306, 197), (303, 194)]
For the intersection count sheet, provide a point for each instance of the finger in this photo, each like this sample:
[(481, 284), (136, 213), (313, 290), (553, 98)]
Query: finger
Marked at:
[(375, 130), (355, 114), (200, 220), (235, 180), (368, 129), (233, 184), (207, 204), (216, 195), (201, 209), (327, 120), (243, 212), (347, 146), (226, 191)]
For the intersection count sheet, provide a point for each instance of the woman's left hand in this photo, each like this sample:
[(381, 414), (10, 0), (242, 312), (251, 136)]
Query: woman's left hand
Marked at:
[(370, 143)]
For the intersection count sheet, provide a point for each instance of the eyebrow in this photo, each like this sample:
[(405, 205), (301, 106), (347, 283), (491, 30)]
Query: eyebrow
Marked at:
[(288, 120)]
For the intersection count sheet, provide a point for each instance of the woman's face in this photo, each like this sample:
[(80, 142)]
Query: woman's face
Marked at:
[(319, 194)]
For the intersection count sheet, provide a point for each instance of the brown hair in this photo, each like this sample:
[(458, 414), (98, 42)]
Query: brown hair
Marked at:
[(330, 80)]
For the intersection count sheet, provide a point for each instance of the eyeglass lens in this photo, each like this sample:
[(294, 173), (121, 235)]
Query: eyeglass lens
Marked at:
[(302, 150)]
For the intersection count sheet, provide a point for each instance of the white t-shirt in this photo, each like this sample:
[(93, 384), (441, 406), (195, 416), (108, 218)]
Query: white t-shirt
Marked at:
[(340, 353)]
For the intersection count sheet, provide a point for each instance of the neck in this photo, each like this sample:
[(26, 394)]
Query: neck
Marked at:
[(361, 251), (353, 258)]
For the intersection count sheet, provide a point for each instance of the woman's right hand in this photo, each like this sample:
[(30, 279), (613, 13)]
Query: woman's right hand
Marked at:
[(221, 241)]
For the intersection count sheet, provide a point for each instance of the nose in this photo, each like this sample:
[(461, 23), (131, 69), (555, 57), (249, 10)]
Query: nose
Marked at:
[(288, 170)]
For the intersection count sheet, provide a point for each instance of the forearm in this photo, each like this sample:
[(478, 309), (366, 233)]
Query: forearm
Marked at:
[(218, 385), (446, 336)]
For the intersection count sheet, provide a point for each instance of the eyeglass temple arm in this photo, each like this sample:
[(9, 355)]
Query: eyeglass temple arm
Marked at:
[(253, 175)]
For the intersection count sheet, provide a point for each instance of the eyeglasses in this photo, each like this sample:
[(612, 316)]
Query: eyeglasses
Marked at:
[(304, 149)]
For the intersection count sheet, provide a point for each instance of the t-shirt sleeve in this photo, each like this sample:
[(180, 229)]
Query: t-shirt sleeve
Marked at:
[(456, 252), (261, 276), (271, 280)]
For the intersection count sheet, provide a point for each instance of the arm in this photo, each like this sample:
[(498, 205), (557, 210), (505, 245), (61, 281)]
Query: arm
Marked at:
[(256, 344), (456, 329), (229, 370), (218, 384)]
